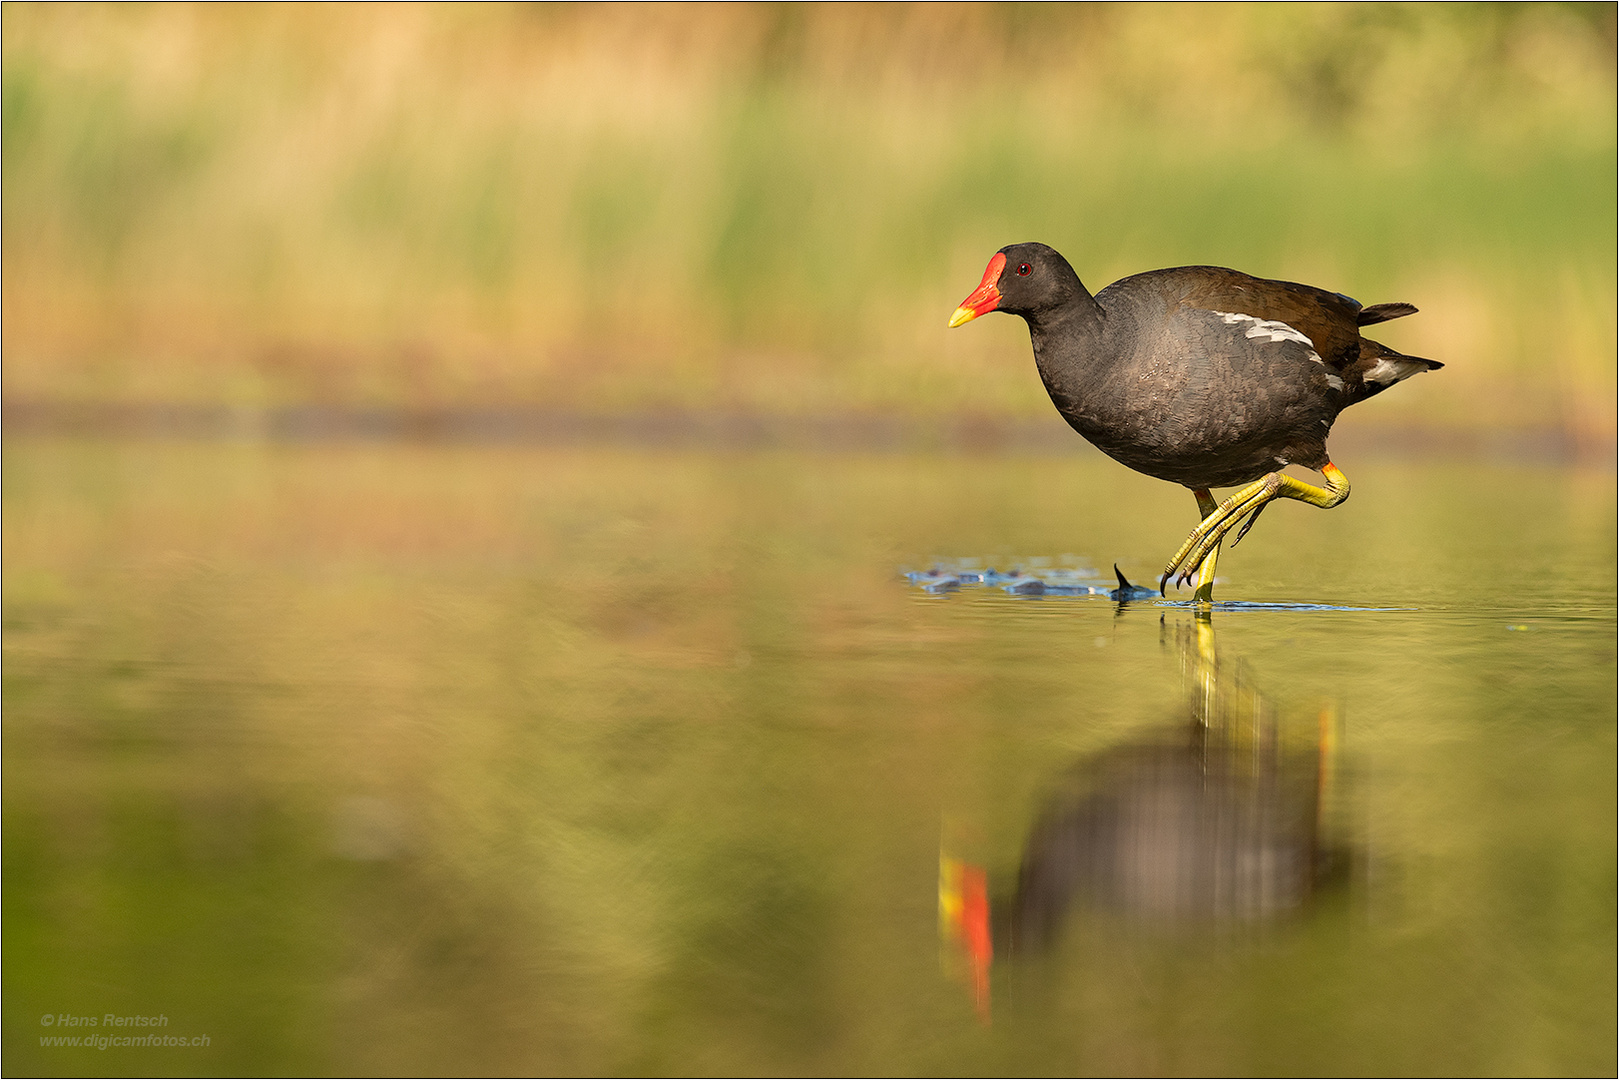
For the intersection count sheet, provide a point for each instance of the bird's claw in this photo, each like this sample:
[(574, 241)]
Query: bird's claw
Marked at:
[(1253, 517), (1249, 502)]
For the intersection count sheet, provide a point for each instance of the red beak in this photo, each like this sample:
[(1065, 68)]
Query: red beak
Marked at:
[(984, 298)]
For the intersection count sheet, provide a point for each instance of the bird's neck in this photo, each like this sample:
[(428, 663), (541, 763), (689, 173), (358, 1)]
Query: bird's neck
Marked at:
[(1068, 338)]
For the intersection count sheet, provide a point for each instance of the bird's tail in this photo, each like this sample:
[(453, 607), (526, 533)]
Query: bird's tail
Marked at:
[(1384, 312)]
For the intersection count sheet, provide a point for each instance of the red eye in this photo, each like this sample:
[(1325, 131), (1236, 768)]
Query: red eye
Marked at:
[(1024, 269)]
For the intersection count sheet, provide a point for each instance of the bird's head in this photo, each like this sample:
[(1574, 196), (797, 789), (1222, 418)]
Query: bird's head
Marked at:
[(1022, 279)]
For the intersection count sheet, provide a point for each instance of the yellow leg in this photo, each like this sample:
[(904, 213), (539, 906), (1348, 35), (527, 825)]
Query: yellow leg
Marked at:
[(1248, 501), (1204, 593)]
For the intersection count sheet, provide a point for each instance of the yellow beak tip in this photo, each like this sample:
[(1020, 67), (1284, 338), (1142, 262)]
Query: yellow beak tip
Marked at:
[(962, 315)]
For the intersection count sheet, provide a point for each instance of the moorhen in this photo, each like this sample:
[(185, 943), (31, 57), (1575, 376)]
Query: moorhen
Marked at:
[(1200, 375)]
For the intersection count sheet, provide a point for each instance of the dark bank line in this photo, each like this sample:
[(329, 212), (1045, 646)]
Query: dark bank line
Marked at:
[(690, 429)]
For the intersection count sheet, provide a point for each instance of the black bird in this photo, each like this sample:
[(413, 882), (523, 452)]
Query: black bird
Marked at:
[(1199, 375)]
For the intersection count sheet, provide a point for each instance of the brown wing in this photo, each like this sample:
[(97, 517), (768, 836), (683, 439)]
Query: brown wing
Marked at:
[(1330, 320)]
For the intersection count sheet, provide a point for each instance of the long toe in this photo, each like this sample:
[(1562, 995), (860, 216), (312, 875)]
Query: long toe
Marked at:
[(1213, 529)]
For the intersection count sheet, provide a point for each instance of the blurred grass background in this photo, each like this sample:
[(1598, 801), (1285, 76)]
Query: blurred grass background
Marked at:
[(771, 210)]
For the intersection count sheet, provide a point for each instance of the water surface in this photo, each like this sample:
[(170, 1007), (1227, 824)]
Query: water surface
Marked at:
[(371, 758)]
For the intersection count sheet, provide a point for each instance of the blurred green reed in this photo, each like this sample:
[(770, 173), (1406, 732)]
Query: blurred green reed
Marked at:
[(773, 208)]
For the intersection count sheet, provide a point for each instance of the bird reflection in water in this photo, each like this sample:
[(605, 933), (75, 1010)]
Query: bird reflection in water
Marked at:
[(1217, 822), (964, 926)]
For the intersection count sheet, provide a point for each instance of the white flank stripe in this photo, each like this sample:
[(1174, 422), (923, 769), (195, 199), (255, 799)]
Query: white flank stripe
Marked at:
[(1265, 328)]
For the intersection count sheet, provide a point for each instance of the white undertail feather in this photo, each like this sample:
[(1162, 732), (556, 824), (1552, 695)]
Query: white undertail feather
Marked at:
[(1390, 369)]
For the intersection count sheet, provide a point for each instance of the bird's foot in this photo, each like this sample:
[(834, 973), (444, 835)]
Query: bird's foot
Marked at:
[(1213, 528), (1250, 502)]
